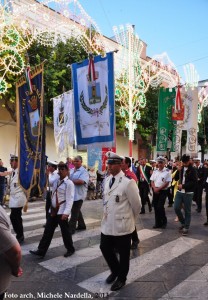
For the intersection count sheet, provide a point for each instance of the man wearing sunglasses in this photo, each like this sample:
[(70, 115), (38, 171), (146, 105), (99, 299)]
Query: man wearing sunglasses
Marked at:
[(61, 204)]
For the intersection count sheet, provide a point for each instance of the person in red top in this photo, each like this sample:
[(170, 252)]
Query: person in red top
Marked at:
[(125, 167)]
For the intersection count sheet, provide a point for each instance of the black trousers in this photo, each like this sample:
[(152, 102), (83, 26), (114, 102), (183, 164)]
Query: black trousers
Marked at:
[(200, 187), (134, 236), (2, 186), (2, 296), (159, 207), (51, 224), (170, 195), (144, 191), (108, 243), (206, 199), (48, 203), (76, 216), (16, 220)]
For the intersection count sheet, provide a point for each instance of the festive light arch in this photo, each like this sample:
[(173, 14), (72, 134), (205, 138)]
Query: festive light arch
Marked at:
[(46, 22), (134, 75)]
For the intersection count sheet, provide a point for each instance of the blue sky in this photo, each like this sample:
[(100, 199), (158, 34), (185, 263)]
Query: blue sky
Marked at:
[(178, 27)]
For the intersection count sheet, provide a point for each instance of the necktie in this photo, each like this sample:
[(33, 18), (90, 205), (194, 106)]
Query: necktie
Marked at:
[(112, 182)]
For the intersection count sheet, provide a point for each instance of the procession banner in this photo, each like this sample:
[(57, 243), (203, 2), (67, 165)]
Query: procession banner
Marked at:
[(31, 130), (63, 116), (93, 84), (192, 126), (174, 136), (166, 100), (190, 100)]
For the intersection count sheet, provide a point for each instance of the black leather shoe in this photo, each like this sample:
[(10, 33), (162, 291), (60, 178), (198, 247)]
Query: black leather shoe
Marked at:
[(111, 278), (206, 223), (81, 228), (69, 253), (21, 239), (134, 245), (37, 253), (142, 212), (117, 285), (156, 226)]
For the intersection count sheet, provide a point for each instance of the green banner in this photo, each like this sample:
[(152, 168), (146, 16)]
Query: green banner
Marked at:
[(174, 128), (165, 123)]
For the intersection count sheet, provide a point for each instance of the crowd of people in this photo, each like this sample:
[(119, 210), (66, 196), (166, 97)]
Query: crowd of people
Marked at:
[(127, 189)]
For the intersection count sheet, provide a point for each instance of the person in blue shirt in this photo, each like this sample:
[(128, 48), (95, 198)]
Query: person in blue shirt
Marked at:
[(80, 177)]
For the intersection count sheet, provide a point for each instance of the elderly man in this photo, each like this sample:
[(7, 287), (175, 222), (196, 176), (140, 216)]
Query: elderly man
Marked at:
[(121, 207), (17, 198), (160, 180), (187, 177), (80, 177), (10, 254)]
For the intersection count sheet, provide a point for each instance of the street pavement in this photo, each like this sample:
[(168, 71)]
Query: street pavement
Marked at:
[(166, 265)]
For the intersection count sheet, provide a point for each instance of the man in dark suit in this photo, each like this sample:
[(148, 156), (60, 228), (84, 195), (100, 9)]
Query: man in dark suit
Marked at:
[(201, 173), (143, 174)]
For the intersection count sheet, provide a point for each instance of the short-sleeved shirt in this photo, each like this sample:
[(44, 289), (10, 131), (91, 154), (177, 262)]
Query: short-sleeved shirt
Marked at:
[(7, 242), (161, 177), (80, 192)]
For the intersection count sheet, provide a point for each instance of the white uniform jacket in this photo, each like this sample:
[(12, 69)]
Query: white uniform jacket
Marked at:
[(121, 206), (17, 194), (65, 192)]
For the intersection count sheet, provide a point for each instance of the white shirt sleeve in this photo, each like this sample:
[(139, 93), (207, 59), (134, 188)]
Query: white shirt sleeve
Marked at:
[(69, 197)]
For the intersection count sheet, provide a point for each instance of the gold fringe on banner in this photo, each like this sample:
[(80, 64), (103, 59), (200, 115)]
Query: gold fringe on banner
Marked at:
[(35, 71)]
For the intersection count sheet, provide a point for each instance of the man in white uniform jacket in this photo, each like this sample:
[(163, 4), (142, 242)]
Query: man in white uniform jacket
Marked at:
[(17, 198), (121, 207)]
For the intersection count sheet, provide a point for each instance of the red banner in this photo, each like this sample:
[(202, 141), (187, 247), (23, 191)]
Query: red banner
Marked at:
[(104, 158)]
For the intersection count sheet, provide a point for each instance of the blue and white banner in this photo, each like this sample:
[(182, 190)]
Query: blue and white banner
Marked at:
[(31, 127), (93, 84)]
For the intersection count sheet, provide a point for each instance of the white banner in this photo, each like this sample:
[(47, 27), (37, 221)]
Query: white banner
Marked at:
[(190, 100), (63, 116)]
